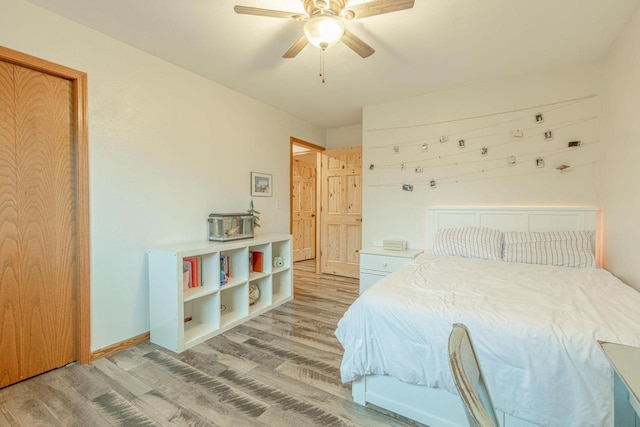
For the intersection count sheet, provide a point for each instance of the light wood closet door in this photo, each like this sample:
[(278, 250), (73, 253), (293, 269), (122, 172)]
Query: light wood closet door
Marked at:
[(38, 241), (341, 213)]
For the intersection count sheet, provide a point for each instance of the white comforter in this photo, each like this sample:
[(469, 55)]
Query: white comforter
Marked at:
[(534, 328)]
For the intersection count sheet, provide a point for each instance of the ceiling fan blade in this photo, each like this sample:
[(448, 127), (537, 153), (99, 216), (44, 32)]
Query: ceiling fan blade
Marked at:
[(296, 47), (357, 45), (377, 7), (247, 10)]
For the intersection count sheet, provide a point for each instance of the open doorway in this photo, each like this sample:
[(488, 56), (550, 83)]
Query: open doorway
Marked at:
[(305, 200)]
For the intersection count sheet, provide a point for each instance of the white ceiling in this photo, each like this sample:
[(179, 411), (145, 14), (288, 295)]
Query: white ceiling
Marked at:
[(437, 44)]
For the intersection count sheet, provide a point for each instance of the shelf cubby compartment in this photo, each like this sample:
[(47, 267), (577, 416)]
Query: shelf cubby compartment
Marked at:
[(210, 277), (282, 248), (238, 266), (234, 303), (267, 261), (282, 287), (265, 298), (204, 318)]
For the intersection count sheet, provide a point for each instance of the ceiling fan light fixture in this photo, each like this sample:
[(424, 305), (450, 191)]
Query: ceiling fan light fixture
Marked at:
[(324, 31)]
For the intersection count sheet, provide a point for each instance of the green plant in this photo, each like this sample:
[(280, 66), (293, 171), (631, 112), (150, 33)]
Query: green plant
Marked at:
[(256, 218)]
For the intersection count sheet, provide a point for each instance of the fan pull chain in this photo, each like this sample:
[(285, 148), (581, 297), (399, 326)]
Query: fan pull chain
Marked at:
[(322, 64)]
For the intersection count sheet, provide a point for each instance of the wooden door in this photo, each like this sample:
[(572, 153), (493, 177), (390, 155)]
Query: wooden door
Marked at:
[(341, 213), (303, 209), (39, 241)]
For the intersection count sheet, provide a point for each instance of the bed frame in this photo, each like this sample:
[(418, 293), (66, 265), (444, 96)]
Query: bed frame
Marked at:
[(437, 407)]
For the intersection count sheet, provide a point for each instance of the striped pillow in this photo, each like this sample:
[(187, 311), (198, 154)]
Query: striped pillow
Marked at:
[(469, 242), (560, 248)]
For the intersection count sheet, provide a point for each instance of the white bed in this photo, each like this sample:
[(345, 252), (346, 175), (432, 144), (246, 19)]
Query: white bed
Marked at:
[(535, 338)]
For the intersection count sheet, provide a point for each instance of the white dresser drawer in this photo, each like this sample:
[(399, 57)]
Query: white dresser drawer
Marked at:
[(383, 263), (376, 262)]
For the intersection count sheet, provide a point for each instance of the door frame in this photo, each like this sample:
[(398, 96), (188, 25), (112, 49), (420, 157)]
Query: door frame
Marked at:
[(78, 81), (316, 149)]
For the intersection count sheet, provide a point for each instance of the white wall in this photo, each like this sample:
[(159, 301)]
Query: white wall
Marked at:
[(344, 137), (620, 172), (390, 212), (167, 147)]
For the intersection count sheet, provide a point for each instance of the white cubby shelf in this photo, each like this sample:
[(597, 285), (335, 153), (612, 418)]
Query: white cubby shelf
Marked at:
[(180, 319)]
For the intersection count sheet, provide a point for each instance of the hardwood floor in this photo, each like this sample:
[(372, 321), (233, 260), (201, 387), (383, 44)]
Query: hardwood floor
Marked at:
[(279, 369)]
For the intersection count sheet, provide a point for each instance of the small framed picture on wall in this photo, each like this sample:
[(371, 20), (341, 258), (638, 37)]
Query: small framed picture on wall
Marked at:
[(261, 184)]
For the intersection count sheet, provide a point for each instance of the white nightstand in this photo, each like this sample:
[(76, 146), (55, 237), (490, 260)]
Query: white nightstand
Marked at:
[(375, 263)]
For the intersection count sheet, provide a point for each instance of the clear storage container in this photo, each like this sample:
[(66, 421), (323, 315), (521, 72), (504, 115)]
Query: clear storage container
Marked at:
[(231, 226)]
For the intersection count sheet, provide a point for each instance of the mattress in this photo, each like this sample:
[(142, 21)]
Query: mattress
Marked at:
[(535, 329)]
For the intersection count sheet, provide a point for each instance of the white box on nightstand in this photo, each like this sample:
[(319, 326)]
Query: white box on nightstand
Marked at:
[(375, 263)]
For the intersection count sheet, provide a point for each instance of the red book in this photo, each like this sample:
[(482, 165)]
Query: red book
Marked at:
[(257, 261), (195, 271)]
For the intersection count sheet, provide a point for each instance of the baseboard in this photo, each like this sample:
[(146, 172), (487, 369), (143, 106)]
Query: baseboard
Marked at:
[(113, 348)]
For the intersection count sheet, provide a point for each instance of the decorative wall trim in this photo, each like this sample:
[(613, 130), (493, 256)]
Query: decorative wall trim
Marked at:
[(122, 345)]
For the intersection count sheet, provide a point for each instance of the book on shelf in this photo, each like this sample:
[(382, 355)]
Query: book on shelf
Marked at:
[(257, 261), (224, 269), (186, 275), (195, 270)]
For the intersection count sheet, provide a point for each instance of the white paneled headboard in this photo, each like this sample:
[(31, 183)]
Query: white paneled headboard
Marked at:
[(511, 219)]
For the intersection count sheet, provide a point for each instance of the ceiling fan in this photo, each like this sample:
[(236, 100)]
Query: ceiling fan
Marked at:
[(325, 22)]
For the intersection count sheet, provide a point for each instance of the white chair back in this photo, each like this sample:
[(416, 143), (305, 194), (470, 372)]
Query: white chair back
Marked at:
[(469, 380)]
